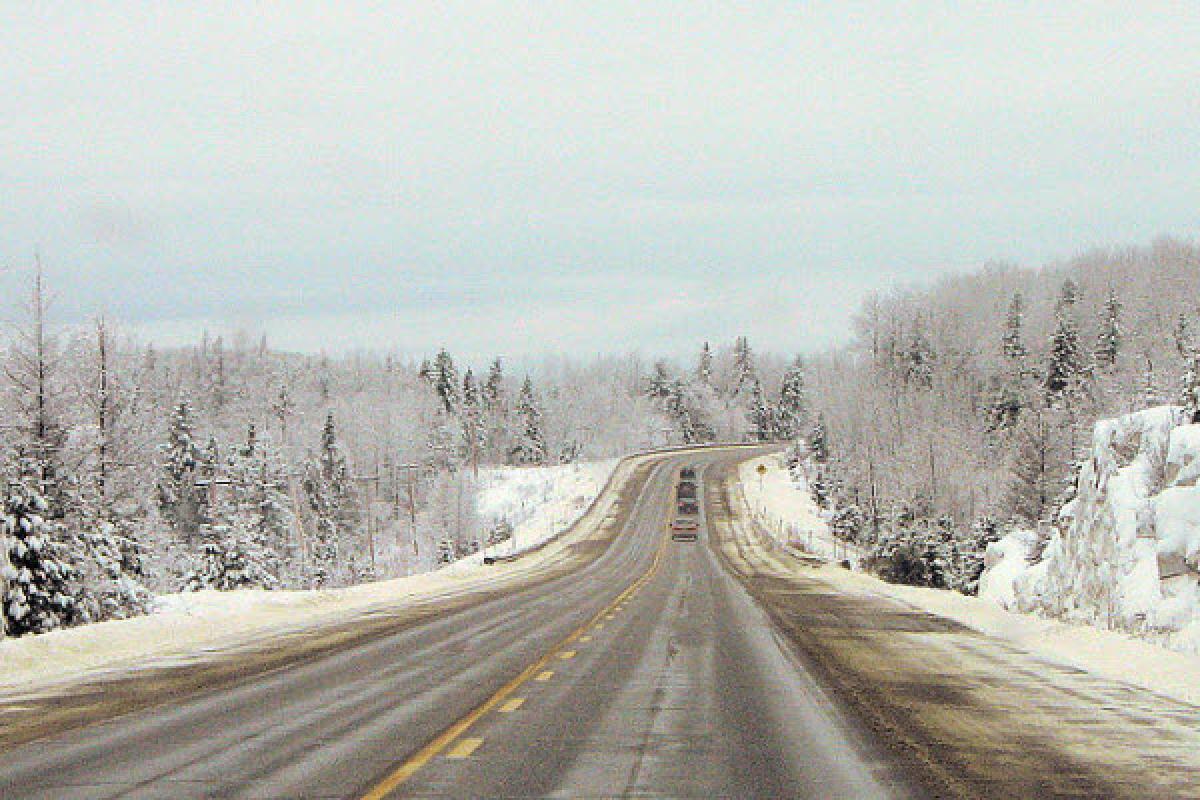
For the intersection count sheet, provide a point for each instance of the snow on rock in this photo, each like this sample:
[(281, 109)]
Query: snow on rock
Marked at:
[(1126, 554), (1003, 562)]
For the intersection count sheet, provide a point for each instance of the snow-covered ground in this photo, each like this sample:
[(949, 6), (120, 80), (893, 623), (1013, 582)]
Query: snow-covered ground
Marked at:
[(1113, 654), (539, 502), (1126, 554), (783, 505)]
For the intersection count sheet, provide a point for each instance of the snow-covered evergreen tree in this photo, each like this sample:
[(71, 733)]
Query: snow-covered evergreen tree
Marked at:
[(327, 485), (1185, 343), (530, 440), (918, 357), (1109, 334), (1190, 396), (1040, 465), (444, 379), (179, 497), (474, 426), (818, 441), (37, 593), (1065, 364), (660, 384), (1013, 342), (283, 408), (1009, 389), (113, 569), (759, 415), (704, 366), (792, 414), (493, 388), (745, 373)]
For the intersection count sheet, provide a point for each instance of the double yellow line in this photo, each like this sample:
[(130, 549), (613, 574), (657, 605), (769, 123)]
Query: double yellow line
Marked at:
[(447, 737)]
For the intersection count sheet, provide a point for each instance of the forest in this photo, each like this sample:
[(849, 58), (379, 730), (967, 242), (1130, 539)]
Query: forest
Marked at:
[(954, 412), (134, 471), (961, 410)]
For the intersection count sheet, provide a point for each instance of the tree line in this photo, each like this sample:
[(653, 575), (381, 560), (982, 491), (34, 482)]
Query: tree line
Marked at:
[(134, 470), (963, 409)]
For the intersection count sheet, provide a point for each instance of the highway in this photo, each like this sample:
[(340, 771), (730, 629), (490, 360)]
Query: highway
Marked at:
[(640, 668)]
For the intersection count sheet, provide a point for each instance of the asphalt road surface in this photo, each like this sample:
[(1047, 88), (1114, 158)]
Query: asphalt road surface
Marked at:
[(643, 667)]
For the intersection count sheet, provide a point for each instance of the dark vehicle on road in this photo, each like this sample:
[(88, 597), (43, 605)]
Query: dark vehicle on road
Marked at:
[(687, 506), (685, 530), (686, 489), (687, 474)]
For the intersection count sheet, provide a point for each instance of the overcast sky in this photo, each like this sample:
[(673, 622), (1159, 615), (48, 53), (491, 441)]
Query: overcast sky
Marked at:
[(529, 178)]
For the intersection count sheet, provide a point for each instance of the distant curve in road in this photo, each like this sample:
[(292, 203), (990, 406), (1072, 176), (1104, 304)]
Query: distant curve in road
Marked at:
[(724, 667)]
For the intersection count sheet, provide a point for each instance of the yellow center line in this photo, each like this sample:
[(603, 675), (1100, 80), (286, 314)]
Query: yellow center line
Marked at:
[(535, 671), (585, 639), (566, 654), (512, 705), (464, 747)]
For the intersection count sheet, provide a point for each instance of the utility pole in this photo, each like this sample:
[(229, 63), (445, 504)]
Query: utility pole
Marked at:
[(372, 484), (412, 503)]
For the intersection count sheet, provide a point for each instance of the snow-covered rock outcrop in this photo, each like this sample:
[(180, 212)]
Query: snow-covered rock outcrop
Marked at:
[(1127, 551)]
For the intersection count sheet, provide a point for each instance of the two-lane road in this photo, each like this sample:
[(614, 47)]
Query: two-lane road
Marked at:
[(633, 666), (647, 672)]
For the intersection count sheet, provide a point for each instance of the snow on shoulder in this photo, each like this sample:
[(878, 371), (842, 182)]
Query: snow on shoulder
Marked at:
[(782, 504), (539, 503)]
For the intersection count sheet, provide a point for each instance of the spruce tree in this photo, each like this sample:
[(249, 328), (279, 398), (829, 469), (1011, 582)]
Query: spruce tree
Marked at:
[(1190, 396), (1184, 341), (1013, 343), (762, 421), (327, 485), (493, 388), (178, 496), (744, 372), (530, 447), (445, 381), (918, 357), (1040, 466), (1108, 336), (818, 442), (677, 408), (1065, 366), (36, 580), (659, 383), (474, 431), (1009, 389), (793, 401), (282, 409), (704, 367)]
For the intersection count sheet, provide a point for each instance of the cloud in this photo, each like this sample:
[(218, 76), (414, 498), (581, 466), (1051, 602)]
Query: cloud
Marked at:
[(417, 165)]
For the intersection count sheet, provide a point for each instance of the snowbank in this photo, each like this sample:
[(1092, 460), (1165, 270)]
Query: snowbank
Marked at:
[(783, 505), (539, 502), (1126, 555)]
